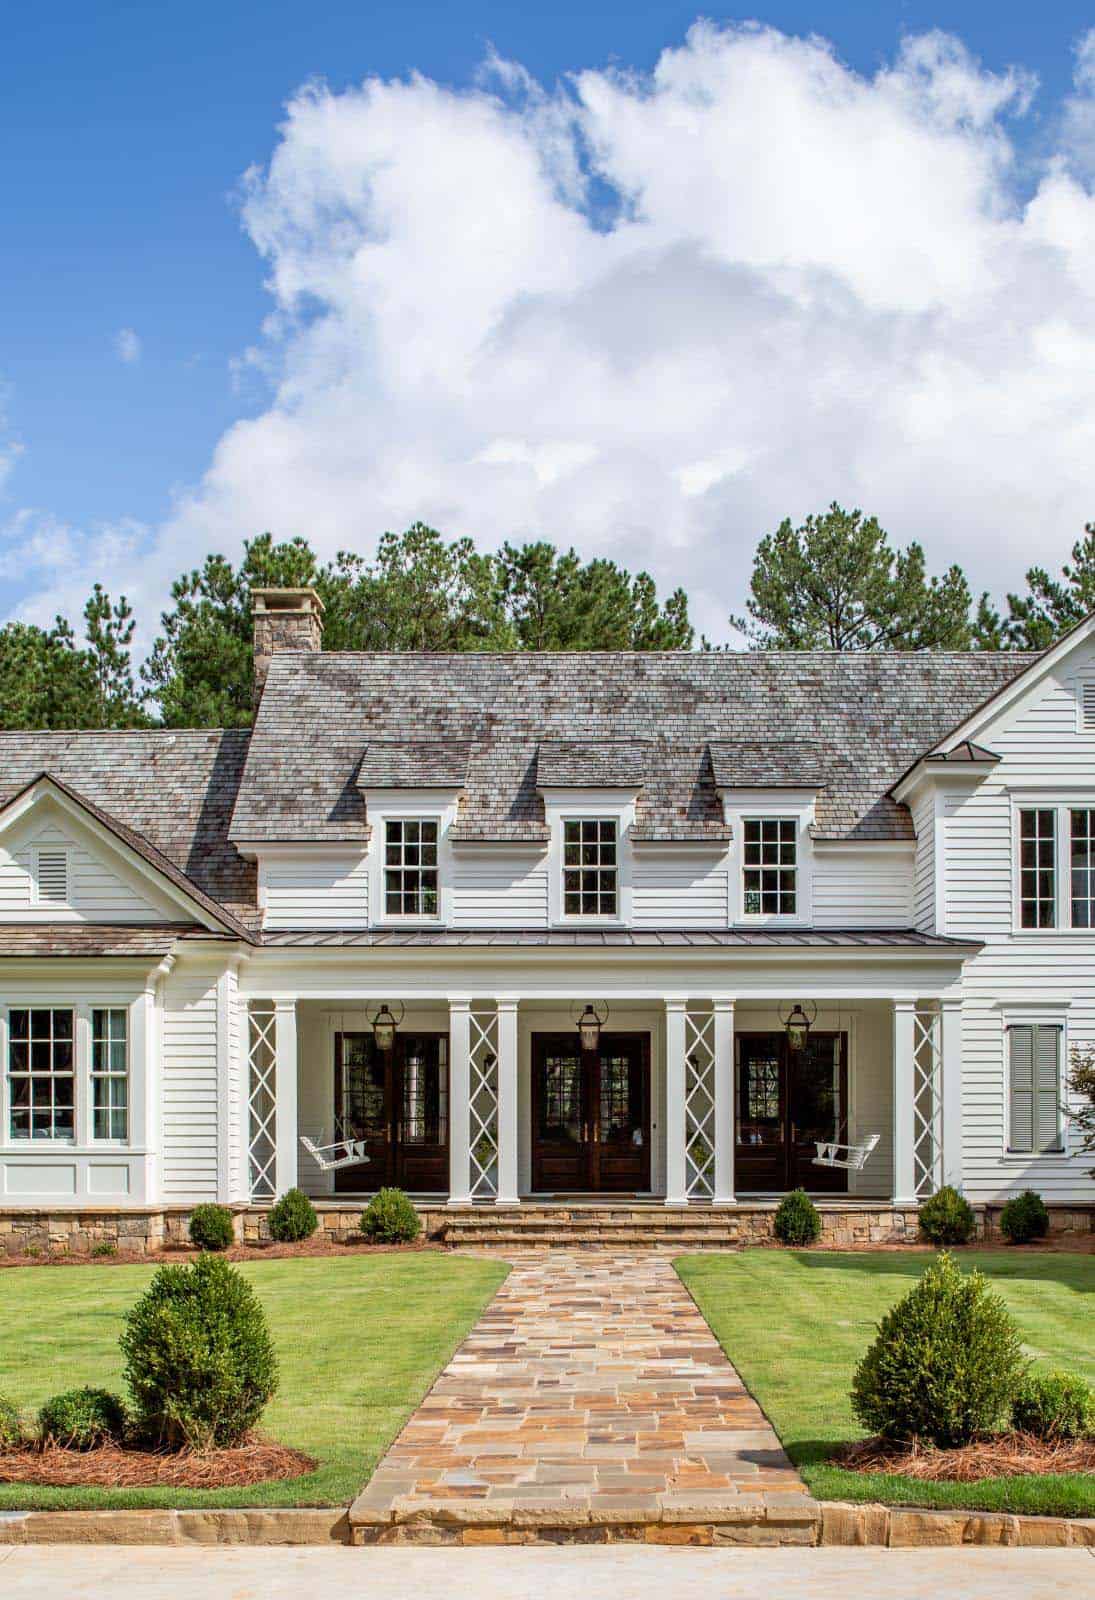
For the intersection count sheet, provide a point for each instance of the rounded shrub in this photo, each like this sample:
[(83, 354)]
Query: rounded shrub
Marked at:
[(1024, 1218), (945, 1364), (11, 1429), (81, 1419), (946, 1217), (797, 1219), (1054, 1405), (199, 1360), (293, 1218), (390, 1218), (211, 1227)]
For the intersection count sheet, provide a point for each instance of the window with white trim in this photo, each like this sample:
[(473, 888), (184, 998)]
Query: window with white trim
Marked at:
[(41, 1072), (1038, 867), (1034, 1088), (1056, 869), (410, 867), (590, 867), (109, 1073), (770, 866)]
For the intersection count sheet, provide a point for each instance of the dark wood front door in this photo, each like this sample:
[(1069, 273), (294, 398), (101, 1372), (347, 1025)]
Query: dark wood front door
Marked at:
[(591, 1114), (398, 1102), (785, 1101)]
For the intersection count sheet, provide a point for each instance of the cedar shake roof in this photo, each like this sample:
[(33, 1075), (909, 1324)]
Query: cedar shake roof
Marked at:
[(582, 764), (854, 721), (414, 764), (148, 940)]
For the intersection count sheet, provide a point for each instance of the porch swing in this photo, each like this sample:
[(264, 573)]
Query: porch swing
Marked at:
[(830, 1152), (330, 1157)]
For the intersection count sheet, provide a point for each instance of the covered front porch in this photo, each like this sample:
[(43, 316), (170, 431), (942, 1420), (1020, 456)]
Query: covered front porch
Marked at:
[(686, 1102)]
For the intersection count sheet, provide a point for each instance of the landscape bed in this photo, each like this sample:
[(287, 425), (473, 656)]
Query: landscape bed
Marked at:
[(360, 1339), (795, 1323)]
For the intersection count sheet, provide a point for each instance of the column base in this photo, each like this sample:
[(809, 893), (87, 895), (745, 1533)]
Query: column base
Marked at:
[(458, 1200), (724, 1200), (674, 1201), (904, 1204), (506, 1200)]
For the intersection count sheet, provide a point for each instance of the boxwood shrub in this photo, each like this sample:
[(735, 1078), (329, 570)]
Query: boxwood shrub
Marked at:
[(1024, 1218), (390, 1218), (945, 1364), (797, 1219), (1054, 1405), (946, 1217), (81, 1419), (293, 1218), (199, 1360), (211, 1227), (11, 1429)]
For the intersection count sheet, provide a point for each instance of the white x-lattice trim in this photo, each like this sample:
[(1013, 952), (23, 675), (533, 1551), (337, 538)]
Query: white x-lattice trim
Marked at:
[(483, 1103), (262, 1101), (927, 1102), (699, 1105)]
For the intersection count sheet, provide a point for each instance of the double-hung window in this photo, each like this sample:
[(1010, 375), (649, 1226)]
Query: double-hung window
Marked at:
[(41, 1072), (109, 1073), (770, 867), (1034, 1087), (1057, 867), (410, 867), (590, 867)]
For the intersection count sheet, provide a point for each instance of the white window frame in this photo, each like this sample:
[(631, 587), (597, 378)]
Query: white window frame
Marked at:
[(1018, 1015), (1062, 806), (41, 850), (11, 1140), (761, 805), (578, 805), (401, 805), (403, 868), (110, 1076), (599, 822)]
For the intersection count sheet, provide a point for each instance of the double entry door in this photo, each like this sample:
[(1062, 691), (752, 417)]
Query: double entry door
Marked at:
[(397, 1101), (591, 1113), (787, 1100)]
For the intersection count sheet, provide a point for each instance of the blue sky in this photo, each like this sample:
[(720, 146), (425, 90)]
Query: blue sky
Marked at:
[(124, 132)]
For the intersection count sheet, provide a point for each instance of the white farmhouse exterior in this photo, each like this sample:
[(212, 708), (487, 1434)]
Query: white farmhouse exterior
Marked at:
[(199, 928)]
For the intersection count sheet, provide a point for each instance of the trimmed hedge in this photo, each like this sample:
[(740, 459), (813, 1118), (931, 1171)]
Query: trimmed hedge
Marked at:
[(199, 1360), (797, 1219), (211, 1227), (293, 1218), (946, 1363), (390, 1218), (1024, 1218), (81, 1419), (947, 1218), (1054, 1405)]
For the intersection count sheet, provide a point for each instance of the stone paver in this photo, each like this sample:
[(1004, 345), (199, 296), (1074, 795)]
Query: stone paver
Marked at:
[(590, 1391)]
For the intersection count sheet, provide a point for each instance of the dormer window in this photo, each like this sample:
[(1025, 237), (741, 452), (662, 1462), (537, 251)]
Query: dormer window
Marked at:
[(770, 867), (410, 867), (590, 867)]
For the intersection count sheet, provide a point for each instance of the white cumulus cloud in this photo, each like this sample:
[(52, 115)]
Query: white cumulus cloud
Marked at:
[(127, 345), (652, 314)]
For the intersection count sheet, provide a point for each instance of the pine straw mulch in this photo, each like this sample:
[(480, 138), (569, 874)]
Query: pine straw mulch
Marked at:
[(1004, 1455), (111, 1466)]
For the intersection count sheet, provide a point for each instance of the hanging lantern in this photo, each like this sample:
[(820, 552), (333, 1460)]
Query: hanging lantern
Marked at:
[(384, 1026), (797, 1026), (590, 1024)]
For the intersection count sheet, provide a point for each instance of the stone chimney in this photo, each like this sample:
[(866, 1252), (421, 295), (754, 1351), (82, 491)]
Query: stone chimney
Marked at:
[(283, 619)]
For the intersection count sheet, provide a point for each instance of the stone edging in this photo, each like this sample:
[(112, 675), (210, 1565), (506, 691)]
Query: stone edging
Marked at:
[(828, 1522)]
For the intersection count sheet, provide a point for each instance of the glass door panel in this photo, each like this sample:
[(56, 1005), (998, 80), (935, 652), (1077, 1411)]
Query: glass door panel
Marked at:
[(422, 1150), (760, 1163), (818, 1110), (621, 1129), (363, 1110), (560, 1129)]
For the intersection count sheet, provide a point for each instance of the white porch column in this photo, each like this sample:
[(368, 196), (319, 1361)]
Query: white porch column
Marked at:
[(507, 1103), (724, 1102), (459, 1099), (904, 1092), (950, 1051), (676, 1187), (285, 1088)]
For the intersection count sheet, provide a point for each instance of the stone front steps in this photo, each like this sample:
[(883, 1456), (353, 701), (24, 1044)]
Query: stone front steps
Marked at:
[(627, 1224)]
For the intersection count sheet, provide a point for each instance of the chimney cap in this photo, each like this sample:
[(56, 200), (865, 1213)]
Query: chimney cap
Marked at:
[(305, 599)]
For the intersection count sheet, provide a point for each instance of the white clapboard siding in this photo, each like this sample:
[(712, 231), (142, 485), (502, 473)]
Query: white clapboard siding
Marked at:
[(1046, 747), (310, 891), (190, 1098), (861, 890), (97, 889), (499, 893), (667, 893), (924, 863)]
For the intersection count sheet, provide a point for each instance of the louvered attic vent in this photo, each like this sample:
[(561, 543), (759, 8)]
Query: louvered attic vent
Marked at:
[(52, 877), (1087, 706)]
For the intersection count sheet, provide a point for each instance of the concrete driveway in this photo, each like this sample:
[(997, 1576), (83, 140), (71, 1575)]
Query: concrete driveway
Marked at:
[(603, 1573)]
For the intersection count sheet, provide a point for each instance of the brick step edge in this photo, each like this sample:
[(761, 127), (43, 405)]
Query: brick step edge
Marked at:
[(835, 1523)]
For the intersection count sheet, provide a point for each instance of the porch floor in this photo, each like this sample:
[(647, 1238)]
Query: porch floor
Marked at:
[(590, 1394)]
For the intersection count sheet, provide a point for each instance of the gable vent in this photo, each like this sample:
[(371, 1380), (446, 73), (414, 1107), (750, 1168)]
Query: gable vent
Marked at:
[(1087, 706), (52, 877)]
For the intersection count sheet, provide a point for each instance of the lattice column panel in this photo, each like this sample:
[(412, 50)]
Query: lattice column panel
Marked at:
[(483, 1103), (927, 1101), (262, 1101), (699, 1104)]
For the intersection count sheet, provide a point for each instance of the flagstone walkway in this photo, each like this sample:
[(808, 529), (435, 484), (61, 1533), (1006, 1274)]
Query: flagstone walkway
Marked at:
[(591, 1393)]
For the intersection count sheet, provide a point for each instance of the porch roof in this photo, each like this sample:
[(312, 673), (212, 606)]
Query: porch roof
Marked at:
[(93, 939), (602, 938)]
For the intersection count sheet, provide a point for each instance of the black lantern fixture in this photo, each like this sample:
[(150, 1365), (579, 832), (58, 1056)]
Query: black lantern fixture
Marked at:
[(384, 1026), (590, 1024), (798, 1026)]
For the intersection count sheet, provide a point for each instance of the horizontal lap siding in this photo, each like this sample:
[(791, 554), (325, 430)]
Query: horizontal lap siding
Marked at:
[(499, 894), (316, 893), (190, 1100), (924, 864), (668, 894), (857, 892), (96, 892), (1042, 749)]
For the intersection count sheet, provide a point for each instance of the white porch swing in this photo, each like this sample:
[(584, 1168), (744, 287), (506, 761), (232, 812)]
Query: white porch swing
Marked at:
[(830, 1153), (342, 1153)]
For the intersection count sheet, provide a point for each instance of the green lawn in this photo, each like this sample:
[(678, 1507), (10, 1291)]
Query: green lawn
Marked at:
[(795, 1324), (360, 1340)]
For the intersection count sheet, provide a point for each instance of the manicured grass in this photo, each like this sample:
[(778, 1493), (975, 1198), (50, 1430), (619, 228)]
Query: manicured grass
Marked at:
[(359, 1339), (795, 1324)]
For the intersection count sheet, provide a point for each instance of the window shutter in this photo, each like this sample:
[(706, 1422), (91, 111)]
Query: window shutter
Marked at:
[(1047, 1043), (52, 877), (1021, 1051), (1087, 706)]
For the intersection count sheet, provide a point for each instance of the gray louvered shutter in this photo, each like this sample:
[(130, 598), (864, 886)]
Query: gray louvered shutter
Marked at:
[(1021, 1076), (1047, 1043)]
